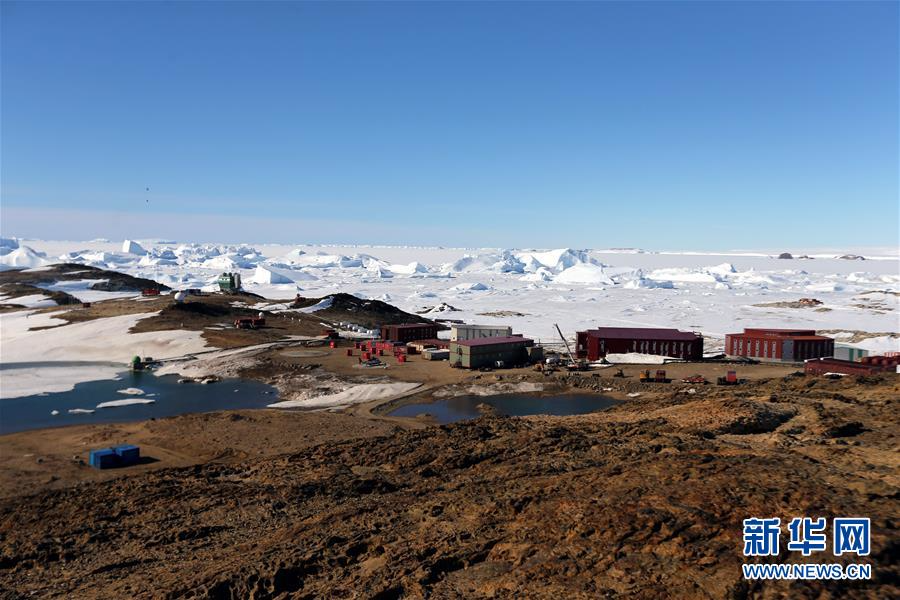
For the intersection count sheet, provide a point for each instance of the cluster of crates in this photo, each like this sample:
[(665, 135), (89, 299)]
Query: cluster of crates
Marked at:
[(117, 456), (378, 348)]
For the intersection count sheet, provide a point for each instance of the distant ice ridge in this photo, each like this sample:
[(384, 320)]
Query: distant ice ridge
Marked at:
[(508, 261), (21, 257)]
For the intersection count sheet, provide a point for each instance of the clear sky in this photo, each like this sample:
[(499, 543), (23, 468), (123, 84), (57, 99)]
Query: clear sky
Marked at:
[(675, 125)]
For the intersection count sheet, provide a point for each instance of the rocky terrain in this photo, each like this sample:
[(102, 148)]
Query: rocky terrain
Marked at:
[(644, 500), (107, 280)]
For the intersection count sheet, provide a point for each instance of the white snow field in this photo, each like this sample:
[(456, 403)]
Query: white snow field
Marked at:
[(530, 290), (57, 357)]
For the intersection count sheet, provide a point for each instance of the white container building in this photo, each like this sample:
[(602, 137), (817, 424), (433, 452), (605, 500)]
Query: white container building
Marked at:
[(461, 332)]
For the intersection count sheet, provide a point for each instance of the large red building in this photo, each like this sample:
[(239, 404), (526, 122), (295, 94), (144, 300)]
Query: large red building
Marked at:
[(409, 332), (784, 345), (594, 344)]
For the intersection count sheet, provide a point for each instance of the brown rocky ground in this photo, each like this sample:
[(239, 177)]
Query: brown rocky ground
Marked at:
[(644, 500), (32, 461)]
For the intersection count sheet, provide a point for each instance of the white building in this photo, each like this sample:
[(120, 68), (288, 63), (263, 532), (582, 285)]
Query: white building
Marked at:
[(459, 333), (845, 352)]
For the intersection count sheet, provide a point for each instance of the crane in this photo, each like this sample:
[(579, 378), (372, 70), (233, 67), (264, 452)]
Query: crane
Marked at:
[(573, 364)]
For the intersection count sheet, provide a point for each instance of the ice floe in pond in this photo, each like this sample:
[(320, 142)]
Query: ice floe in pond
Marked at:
[(132, 391), (54, 412), (80, 411), (125, 402)]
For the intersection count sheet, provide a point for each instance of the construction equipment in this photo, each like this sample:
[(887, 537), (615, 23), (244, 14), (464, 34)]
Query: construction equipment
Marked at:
[(250, 322), (698, 379), (729, 379), (572, 365), (659, 377)]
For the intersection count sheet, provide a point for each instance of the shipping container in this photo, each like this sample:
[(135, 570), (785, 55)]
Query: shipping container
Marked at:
[(128, 454), (105, 458)]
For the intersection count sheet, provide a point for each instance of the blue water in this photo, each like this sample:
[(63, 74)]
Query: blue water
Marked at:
[(171, 398), (461, 408)]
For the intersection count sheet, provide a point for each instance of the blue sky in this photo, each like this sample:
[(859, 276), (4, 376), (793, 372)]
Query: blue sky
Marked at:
[(677, 125)]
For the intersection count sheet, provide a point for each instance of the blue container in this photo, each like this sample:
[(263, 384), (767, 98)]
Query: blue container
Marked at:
[(105, 458), (128, 454)]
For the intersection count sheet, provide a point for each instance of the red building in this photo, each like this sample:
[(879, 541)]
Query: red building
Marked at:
[(784, 345), (594, 344), (820, 366), (409, 332)]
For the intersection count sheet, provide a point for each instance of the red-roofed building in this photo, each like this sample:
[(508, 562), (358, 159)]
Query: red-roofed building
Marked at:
[(779, 345), (594, 344)]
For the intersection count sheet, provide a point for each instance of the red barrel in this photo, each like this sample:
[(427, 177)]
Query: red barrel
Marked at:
[(381, 353), (349, 351), (401, 359), (367, 355), (331, 344)]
